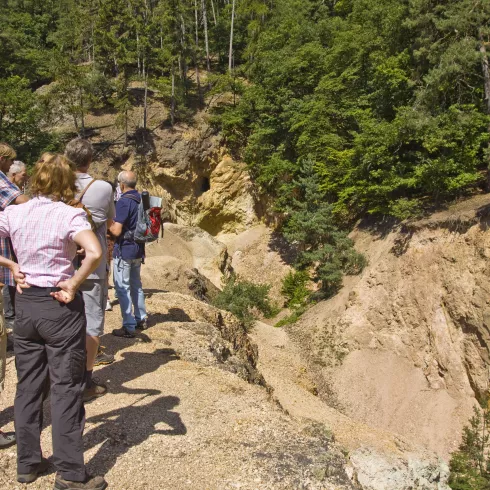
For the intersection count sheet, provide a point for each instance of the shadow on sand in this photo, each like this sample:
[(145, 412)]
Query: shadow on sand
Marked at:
[(123, 428), (127, 427)]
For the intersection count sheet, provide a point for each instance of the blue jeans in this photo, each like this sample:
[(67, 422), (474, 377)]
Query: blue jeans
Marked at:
[(127, 282)]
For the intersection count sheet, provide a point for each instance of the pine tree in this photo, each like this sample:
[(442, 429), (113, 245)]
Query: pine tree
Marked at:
[(470, 465), (310, 225)]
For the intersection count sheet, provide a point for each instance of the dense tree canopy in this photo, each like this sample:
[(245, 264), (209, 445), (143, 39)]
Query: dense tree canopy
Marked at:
[(387, 98)]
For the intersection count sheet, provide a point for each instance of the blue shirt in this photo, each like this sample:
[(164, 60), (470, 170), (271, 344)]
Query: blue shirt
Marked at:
[(127, 215)]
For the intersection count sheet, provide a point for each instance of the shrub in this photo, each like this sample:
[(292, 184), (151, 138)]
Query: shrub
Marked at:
[(244, 299), (293, 318), (294, 288)]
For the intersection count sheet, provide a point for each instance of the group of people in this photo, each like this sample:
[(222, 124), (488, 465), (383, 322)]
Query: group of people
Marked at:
[(54, 264)]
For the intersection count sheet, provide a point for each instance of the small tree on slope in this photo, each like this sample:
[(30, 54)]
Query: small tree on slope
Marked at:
[(470, 465)]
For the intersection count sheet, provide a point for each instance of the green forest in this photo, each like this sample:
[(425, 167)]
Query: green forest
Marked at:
[(341, 108)]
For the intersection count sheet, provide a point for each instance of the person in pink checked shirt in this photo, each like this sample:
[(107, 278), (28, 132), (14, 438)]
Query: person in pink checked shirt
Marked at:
[(50, 322)]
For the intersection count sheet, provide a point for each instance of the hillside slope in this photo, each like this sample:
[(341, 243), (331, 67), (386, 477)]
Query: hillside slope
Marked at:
[(405, 346), (180, 413), (195, 402)]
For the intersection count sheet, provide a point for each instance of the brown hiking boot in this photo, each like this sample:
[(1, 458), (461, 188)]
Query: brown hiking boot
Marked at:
[(95, 390), (90, 483)]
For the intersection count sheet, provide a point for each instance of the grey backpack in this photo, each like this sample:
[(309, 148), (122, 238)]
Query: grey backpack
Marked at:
[(148, 225)]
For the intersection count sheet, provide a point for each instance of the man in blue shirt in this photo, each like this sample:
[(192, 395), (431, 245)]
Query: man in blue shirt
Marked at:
[(128, 256)]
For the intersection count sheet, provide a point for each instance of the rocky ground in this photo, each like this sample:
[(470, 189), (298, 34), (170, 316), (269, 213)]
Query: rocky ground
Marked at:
[(179, 415)]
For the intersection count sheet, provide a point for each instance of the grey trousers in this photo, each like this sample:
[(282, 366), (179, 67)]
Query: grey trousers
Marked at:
[(49, 337)]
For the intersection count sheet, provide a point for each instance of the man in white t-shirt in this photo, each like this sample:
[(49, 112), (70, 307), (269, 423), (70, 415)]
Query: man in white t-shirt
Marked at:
[(98, 198)]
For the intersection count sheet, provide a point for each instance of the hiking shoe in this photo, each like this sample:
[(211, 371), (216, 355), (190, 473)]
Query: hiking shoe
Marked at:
[(122, 332), (95, 390), (10, 324), (90, 483), (108, 306), (32, 477), (7, 440), (142, 324), (102, 359)]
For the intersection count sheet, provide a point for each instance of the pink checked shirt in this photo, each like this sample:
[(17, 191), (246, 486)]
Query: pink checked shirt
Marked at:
[(42, 234)]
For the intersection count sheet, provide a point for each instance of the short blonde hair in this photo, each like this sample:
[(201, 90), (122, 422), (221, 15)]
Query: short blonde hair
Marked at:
[(54, 177), (6, 151)]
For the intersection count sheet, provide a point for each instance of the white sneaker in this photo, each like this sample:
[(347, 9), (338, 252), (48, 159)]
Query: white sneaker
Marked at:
[(108, 306)]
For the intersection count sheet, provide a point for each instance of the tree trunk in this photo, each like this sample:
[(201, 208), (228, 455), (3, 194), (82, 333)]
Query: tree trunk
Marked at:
[(230, 56), (196, 55), (206, 38), (82, 116), (486, 83), (145, 106), (138, 52), (214, 13), (93, 43), (125, 128), (184, 64), (172, 103)]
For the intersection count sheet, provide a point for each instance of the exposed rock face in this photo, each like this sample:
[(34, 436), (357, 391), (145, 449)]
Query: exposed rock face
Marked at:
[(374, 471), (404, 347), (200, 332), (228, 205), (378, 460), (201, 183)]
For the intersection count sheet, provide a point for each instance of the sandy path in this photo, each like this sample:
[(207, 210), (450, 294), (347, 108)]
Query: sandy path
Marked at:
[(169, 423)]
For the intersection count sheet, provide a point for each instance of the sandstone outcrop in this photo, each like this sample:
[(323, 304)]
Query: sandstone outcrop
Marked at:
[(199, 332), (193, 248), (201, 184)]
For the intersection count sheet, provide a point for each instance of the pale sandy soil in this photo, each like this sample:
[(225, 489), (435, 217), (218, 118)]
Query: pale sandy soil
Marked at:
[(170, 423)]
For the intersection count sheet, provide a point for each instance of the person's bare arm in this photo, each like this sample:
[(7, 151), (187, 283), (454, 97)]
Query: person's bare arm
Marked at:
[(116, 229), (19, 277), (20, 199), (87, 240)]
